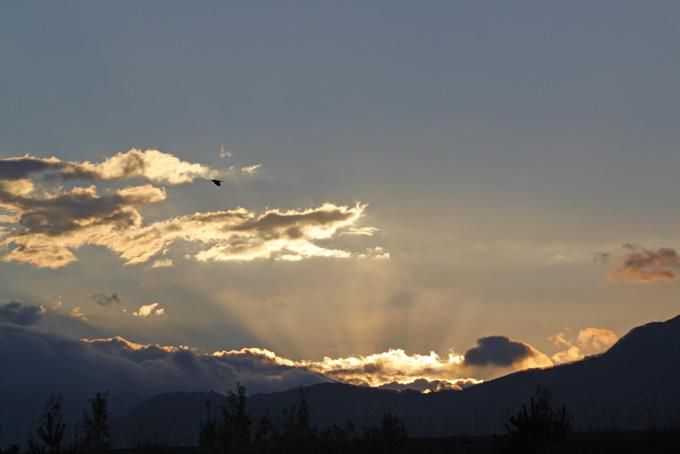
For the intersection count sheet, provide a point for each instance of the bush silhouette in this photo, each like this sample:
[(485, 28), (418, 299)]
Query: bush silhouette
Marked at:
[(540, 427)]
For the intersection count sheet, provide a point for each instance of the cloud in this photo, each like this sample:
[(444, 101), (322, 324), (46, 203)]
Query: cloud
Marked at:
[(426, 386), (589, 341), (78, 314), (251, 170), (361, 231), (46, 226), (500, 351), (153, 165), (53, 363), (390, 366), (105, 300), (153, 310), (596, 339), (162, 263), (21, 313), (375, 253), (80, 367), (46, 223), (645, 266), (224, 153), (571, 354), (50, 225)]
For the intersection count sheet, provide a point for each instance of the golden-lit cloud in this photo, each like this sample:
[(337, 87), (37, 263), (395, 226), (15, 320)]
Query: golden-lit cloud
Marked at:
[(645, 266), (394, 366), (45, 225), (162, 263), (153, 165), (361, 231), (397, 369), (430, 386), (77, 313), (153, 310), (595, 340), (393, 369), (589, 341), (221, 236)]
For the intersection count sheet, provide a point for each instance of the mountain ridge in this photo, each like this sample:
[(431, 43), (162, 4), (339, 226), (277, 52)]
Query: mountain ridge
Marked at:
[(634, 385)]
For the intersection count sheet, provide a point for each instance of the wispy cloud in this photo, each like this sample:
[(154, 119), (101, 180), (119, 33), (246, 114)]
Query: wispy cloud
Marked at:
[(645, 266), (251, 170), (224, 153), (105, 300)]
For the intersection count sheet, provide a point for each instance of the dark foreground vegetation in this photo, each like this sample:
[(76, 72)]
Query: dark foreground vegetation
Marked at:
[(540, 426)]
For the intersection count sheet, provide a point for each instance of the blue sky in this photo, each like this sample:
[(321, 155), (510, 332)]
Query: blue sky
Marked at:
[(499, 147)]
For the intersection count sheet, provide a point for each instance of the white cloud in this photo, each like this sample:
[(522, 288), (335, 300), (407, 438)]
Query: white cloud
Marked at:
[(153, 310), (251, 170)]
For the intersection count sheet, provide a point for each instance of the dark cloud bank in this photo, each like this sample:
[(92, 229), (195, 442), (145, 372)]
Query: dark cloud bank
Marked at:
[(20, 314), (497, 351)]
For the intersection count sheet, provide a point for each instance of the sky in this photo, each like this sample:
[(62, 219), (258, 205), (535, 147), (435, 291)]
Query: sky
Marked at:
[(482, 186)]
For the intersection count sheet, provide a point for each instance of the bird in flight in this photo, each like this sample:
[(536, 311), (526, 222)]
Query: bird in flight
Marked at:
[(217, 182)]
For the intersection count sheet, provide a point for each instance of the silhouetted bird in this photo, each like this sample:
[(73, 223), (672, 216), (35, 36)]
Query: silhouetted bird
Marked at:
[(217, 182)]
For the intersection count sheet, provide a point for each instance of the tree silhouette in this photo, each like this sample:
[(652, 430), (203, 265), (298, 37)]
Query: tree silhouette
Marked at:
[(51, 429), (239, 416), (208, 433), (389, 436), (296, 432), (96, 424), (540, 427), (233, 431), (265, 431)]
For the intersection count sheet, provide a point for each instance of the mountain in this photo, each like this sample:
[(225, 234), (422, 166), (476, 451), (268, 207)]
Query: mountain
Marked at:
[(634, 385), (171, 419)]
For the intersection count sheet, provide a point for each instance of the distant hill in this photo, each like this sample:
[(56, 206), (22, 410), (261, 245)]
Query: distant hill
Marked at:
[(634, 385), (170, 419)]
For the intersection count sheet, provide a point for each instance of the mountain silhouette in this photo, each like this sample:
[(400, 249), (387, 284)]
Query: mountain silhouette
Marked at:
[(635, 385), (170, 419)]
